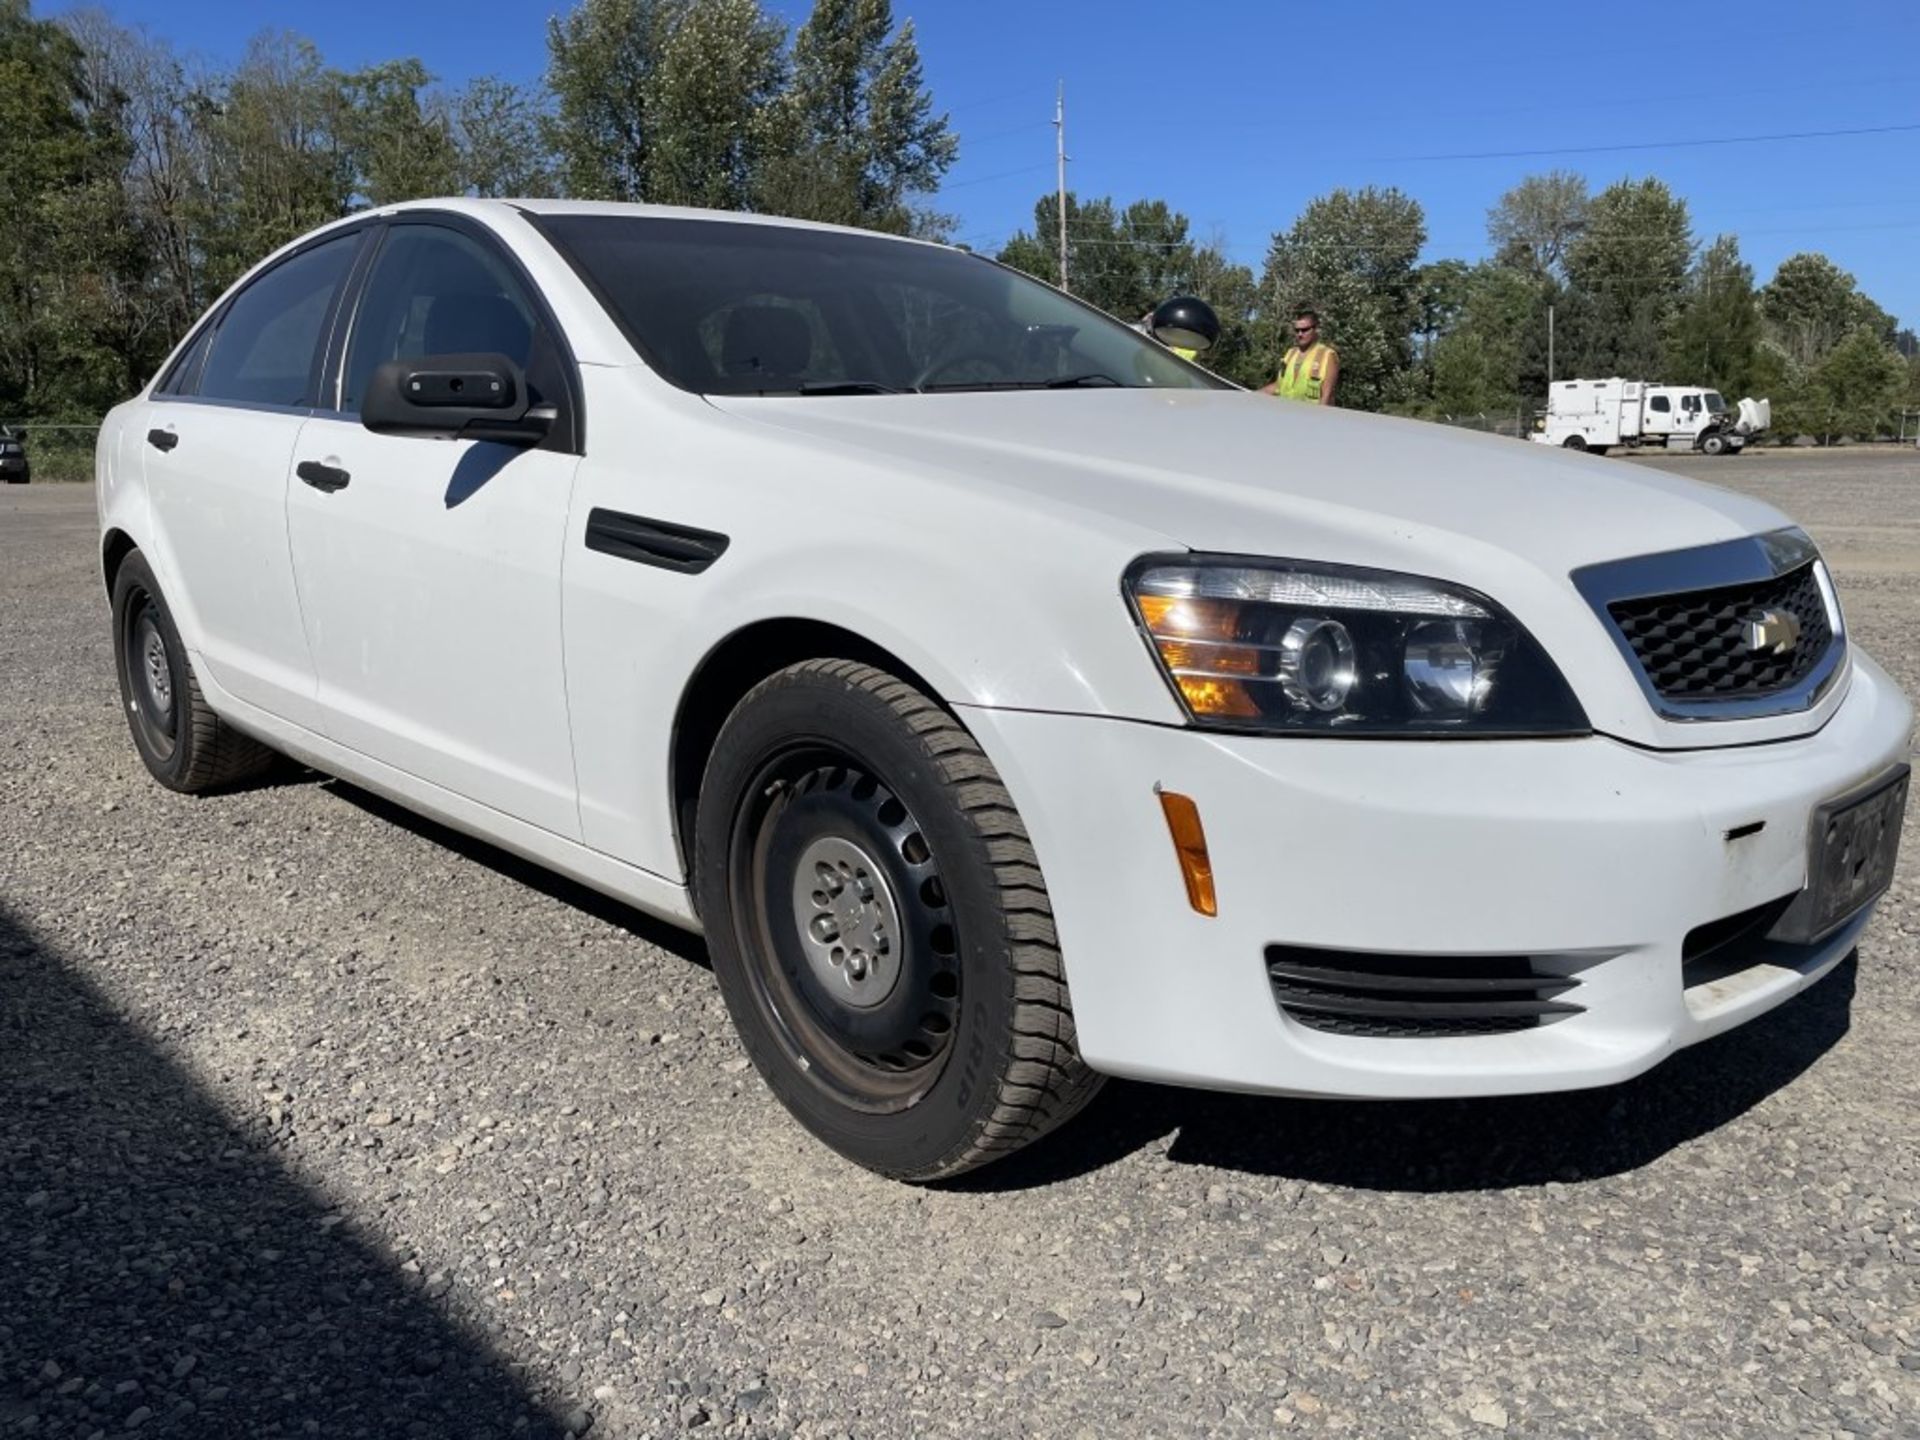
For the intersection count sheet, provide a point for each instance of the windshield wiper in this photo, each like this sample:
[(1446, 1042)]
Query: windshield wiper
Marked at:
[(847, 387), (1091, 379), (1076, 382)]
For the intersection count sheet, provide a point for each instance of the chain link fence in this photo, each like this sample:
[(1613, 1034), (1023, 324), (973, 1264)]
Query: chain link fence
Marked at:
[(56, 452)]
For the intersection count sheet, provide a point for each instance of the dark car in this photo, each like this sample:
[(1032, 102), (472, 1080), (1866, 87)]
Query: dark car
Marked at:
[(13, 458)]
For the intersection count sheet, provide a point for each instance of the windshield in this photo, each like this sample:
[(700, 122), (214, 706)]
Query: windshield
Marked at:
[(1714, 403), (735, 308)]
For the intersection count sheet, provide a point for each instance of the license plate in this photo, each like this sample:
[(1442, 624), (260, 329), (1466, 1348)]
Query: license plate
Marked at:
[(1853, 843)]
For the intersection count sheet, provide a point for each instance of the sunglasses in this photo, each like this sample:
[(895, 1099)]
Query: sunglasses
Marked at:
[(1303, 329)]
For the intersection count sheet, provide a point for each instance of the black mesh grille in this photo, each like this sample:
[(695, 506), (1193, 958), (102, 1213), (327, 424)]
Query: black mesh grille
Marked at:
[(1414, 995), (1695, 646)]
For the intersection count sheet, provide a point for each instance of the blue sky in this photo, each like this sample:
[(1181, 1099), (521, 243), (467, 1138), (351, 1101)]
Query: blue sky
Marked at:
[(1220, 108)]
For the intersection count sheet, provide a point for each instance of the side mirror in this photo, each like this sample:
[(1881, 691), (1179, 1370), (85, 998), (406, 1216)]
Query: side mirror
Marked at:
[(464, 397)]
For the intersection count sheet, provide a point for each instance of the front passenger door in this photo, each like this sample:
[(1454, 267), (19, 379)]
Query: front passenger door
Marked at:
[(429, 569)]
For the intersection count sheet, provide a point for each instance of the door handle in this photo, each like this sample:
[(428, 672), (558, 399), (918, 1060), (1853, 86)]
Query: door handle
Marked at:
[(322, 477), (162, 439)]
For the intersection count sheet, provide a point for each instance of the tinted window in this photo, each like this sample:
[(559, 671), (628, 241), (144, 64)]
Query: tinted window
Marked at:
[(434, 291), (733, 308), (1660, 402), (181, 376), (264, 350)]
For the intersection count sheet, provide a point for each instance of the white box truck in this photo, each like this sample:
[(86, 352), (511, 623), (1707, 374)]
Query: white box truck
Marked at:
[(1598, 415)]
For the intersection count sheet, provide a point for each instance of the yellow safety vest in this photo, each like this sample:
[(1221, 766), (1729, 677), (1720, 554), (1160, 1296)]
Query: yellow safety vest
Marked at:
[(1301, 370), (1184, 353)]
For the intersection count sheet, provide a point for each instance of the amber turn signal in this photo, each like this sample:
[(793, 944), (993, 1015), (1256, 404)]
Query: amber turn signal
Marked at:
[(1195, 640), (1190, 845)]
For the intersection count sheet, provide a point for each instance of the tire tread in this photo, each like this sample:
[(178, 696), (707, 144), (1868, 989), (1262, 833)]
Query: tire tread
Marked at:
[(1041, 1080)]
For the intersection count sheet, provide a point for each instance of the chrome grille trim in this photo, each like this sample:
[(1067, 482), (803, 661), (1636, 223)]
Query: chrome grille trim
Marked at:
[(1747, 561)]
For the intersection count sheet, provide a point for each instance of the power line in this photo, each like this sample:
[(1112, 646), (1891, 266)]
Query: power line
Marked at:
[(1003, 175), (1649, 145)]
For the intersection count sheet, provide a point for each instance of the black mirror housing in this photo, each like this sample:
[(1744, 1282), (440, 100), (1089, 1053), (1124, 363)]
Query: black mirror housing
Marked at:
[(463, 397)]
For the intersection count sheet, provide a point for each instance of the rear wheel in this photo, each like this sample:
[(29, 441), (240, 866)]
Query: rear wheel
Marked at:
[(185, 745), (879, 925), (1575, 442)]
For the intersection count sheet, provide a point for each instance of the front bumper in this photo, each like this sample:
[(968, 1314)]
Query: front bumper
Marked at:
[(1598, 856)]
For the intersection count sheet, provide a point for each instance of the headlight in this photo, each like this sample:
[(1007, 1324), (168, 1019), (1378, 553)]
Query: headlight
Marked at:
[(1287, 646)]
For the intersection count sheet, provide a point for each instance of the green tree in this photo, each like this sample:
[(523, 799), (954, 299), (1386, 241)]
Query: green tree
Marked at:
[(1536, 223), (1852, 392), (499, 130), (1126, 261), (397, 147), (59, 166), (1716, 336), (857, 141), (1811, 304), (603, 58), (1492, 357), (720, 72), (275, 165), (1351, 255), (1629, 267)]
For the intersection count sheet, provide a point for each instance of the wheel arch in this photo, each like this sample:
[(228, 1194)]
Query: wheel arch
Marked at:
[(733, 667), (115, 546)]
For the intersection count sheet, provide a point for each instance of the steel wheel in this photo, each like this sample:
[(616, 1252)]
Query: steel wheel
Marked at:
[(859, 953), (148, 672)]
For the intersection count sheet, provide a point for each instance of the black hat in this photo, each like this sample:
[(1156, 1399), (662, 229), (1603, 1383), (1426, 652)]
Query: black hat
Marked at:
[(1186, 322)]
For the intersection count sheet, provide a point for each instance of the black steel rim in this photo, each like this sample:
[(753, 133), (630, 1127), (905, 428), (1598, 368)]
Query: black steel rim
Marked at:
[(879, 1058), (153, 689)]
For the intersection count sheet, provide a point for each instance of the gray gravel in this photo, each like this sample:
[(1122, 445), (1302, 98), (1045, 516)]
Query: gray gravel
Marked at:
[(315, 1119)]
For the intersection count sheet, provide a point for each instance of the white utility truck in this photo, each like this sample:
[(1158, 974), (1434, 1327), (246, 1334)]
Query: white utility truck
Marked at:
[(1597, 415)]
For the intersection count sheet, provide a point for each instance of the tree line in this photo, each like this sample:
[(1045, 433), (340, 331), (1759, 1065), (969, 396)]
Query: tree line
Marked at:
[(140, 183), (1630, 289)]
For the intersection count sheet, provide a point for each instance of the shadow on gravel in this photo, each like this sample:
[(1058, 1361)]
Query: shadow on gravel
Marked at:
[(161, 1270), (605, 908), (1440, 1145)]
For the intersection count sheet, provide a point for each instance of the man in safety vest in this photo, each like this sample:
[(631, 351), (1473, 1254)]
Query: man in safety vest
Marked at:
[(1310, 369)]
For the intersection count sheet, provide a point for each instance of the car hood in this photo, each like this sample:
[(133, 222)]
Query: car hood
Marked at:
[(1232, 472), (1227, 470)]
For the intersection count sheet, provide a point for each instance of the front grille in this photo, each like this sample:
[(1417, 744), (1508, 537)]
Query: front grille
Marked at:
[(1694, 645), (1414, 995)]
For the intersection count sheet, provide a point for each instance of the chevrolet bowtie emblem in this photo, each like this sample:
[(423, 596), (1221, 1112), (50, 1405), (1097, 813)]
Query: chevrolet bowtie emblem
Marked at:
[(1773, 632)]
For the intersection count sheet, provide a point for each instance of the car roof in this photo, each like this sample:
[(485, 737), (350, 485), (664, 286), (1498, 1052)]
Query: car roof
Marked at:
[(624, 209)]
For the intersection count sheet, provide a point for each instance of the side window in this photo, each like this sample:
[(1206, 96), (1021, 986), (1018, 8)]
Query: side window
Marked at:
[(1661, 403), (263, 352), (184, 373), (435, 291)]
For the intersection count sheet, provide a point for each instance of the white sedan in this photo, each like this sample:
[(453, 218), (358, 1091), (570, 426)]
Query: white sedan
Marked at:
[(1010, 702)]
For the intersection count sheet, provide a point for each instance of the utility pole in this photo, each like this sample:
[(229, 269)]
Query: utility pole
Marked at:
[(1549, 344), (1060, 158)]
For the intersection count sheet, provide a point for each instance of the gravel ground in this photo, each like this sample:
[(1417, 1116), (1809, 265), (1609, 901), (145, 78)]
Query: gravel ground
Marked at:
[(316, 1119)]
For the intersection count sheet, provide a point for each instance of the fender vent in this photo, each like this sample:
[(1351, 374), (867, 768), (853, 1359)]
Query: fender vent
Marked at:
[(1415, 995)]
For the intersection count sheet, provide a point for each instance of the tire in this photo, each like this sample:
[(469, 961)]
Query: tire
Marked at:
[(907, 1002), (1574, 442), (1713, 444), (185, 745)]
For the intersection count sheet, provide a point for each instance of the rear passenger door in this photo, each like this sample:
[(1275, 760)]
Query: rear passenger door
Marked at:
[(429, 569), (217, 437)]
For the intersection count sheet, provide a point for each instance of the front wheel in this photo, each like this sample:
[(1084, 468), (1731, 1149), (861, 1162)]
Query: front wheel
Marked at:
[(1713, 444), (880, 927), (185, 745)]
